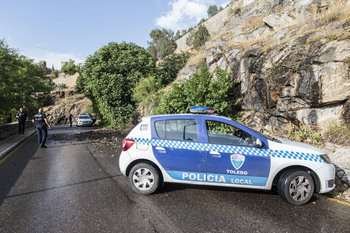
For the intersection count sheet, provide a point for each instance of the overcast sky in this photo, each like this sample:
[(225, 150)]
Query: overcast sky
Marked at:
[(59, 30)]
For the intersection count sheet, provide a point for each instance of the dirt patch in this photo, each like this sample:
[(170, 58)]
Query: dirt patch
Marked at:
[(104, 136)]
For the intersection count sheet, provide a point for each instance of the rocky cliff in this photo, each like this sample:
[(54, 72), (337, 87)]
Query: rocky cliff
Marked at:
[(64, 101), (290, 59)]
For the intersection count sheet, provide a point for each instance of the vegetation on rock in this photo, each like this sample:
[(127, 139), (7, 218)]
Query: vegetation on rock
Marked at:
[(70, 67), (204, 89), (162, 44)]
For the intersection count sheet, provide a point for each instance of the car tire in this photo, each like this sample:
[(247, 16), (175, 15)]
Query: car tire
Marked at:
[(144, 178), (296, 187)]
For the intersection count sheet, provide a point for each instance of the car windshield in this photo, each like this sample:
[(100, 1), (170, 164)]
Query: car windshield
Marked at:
[(84, 117)]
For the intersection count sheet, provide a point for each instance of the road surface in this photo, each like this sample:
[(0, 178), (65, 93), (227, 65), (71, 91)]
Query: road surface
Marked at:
[(76, 186)]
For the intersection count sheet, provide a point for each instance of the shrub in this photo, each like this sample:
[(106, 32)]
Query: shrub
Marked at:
[(200, 89), (60, 86), (172, 65), (200, 36), (305, 135), (70, 68)]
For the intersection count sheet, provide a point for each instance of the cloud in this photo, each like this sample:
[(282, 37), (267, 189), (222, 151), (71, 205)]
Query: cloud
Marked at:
[(184, 14)]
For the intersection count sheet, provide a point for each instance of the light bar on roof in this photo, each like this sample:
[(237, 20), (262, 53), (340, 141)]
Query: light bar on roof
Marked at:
[(202, 110)]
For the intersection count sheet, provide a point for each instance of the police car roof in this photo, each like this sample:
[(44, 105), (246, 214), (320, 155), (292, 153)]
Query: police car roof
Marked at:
[(187, 114)]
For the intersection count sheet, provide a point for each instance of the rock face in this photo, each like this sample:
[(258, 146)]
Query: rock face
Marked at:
[(296, 82), (291, 72), (65, 102), (62, 102)]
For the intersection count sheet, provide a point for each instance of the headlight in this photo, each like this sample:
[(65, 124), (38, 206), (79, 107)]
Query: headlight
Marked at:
[(325, 158)]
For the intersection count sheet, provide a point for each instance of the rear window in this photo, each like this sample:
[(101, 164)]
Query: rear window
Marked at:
[(177, 129)]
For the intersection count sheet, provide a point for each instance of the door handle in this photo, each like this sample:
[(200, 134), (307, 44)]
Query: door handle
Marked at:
[(158, 148), (215, 154)]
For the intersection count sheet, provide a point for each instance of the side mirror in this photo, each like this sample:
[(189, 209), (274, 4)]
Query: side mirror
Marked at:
[(258, 143)]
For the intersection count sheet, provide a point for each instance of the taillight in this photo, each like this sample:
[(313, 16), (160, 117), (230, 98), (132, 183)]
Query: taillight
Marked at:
[(127, 143)]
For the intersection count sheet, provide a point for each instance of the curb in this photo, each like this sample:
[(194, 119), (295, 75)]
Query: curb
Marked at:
[(339, 201), (15, 145)]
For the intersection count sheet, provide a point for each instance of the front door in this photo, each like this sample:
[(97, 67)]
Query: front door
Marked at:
[(232, 157)]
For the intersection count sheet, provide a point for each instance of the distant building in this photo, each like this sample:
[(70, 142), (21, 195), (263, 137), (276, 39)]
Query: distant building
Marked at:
[(42, 64), (63, 63)]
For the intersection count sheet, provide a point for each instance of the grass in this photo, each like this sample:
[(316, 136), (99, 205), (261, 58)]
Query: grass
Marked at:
[(196, 59), (338, 10), (305, 135), (253, 23), (335, 133), (338, 134)]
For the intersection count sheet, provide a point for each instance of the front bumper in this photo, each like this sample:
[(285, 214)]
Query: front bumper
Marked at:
[(326, 174), (81, 123)]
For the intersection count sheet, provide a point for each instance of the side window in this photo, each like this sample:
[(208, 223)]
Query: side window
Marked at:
[(160, 128), (183, 129), (222, 133)]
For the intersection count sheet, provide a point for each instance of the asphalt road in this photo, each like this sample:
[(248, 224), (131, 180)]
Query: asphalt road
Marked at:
[(76, 186)]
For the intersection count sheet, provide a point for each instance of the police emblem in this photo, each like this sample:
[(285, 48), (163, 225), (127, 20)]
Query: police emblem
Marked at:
[(237, 161)]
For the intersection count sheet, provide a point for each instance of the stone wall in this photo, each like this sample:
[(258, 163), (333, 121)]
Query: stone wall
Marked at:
[(68, 80), (11, 129)]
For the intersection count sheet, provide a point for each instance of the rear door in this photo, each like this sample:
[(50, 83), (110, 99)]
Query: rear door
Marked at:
[(232, 155), (176, 146)]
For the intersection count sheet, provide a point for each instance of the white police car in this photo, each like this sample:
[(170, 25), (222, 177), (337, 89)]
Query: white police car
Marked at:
[(214, 150), (84, 119)]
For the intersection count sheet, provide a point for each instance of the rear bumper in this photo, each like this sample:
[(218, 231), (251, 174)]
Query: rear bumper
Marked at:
[(124, 161)]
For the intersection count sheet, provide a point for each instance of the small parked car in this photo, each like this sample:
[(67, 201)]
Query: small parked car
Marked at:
[(84, 120), (206, 149)]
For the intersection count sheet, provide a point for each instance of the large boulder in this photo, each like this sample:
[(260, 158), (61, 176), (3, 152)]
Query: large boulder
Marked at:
[(278, 21)]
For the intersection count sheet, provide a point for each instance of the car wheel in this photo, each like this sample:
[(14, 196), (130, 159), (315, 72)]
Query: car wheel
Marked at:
[(296, 187), (144, 178)]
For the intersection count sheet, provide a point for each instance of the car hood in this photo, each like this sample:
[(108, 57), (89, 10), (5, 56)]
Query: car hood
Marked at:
[(289, 145)]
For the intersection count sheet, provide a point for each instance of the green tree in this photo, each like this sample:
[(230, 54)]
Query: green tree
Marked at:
[(146, 92), (190, 37), (162, 44), (177, 35), (201, 89), (22, 84), (200, 36), (109, 77), (70, 68), (171, 65), (212, 10)]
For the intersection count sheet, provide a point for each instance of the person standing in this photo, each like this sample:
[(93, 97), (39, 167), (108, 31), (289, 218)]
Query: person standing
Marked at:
[(41, 124), (22, 117), (70, 119)]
